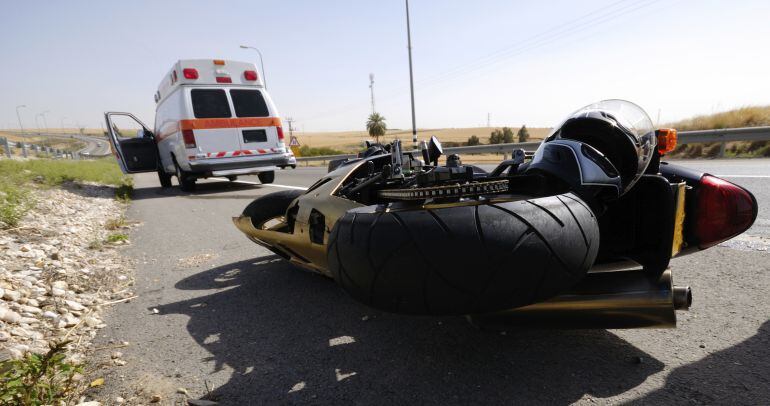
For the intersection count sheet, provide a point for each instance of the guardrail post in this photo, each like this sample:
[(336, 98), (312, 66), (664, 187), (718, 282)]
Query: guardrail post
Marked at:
[(6, 147), (24, 150), (722, 146)]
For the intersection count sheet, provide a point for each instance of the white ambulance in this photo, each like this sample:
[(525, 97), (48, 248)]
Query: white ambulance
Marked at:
[(213, 118)]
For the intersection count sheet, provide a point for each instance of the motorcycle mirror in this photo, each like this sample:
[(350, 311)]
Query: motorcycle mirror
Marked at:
[(434, 150)]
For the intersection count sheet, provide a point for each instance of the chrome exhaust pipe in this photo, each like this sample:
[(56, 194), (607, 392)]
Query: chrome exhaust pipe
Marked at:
[(627, 299)]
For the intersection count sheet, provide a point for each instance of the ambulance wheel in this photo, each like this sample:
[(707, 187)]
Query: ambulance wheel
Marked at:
[(186, 182), (266, 177)]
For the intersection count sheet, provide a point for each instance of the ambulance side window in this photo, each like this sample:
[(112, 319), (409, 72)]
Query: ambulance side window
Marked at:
[(249, 103), (210, 103)]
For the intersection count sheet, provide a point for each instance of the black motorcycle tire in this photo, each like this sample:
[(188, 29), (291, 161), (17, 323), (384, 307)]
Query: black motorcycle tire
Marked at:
[(464, 259), (270, 206)]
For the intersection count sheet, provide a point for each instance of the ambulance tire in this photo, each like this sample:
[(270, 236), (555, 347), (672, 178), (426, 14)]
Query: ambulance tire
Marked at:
[(266, 177), (164, 178), (186, 181)]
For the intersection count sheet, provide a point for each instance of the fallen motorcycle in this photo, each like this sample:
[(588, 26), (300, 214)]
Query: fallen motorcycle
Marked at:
[(577, 235)]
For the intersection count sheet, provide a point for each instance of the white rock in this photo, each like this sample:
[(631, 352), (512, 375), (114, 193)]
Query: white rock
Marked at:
[(31, 309), (91, 321), (60, 285), (21, 348), (9, 316), (74, 305), (91, 403), (20, 332), (12, 295), (57, 292), (50, 315), (4, 336), (70, 320)]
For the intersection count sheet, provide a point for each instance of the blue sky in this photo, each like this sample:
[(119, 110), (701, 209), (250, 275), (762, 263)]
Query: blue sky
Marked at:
[(522, 62)]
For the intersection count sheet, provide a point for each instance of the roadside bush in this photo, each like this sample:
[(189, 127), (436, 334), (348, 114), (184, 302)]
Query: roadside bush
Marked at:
[(14, 203), (712, 150), (694, 151), (320, 151), (39, 379), (764, 152), (473, 140), (756, 146)]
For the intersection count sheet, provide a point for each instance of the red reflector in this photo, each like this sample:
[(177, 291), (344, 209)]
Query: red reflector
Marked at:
[(190, 73), (280, 133), (224, 79), (250, 75), (724, 211), (189, 138)]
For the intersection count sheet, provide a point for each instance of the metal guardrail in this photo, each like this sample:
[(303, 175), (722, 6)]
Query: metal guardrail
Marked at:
[(683, 137), (26, 149)]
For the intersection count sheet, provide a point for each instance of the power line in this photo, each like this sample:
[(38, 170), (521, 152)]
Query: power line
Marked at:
[(546, 37)]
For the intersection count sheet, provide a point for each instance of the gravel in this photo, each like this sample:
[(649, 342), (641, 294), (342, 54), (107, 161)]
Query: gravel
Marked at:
[(53, 283)]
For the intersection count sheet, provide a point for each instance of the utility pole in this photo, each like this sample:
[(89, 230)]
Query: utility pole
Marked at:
[(411, 77), (291, 127), (371, 90), (488, 120)]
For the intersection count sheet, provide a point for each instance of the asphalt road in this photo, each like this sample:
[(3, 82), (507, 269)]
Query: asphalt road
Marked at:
[(256, 330), (95, 146)]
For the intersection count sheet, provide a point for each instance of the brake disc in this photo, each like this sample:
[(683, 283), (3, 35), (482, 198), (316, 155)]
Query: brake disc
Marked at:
[(446, 191)]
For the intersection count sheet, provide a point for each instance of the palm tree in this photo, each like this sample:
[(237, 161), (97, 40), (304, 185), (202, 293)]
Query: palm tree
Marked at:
[(376, 126)]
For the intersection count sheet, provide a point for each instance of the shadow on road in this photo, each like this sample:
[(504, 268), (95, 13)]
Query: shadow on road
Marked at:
[(291, 336), (739, 375), (203, 190)]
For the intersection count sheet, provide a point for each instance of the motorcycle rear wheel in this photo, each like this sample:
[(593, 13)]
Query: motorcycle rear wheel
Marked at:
[(466, 259)]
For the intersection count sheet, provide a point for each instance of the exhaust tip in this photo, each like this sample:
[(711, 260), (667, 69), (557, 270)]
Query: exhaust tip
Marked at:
[(682, 297)]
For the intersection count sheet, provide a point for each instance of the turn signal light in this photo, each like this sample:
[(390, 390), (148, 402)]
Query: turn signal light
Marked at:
[(280, 133), (666, 140), (189, 138), (724, 211), (250, 75), (190, 73), (219, 62)]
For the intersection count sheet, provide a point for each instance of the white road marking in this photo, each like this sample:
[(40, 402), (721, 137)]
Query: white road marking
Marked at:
[(246, 182)]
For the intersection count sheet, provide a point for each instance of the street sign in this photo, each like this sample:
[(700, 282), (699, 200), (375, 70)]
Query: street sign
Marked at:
[(293, 142)]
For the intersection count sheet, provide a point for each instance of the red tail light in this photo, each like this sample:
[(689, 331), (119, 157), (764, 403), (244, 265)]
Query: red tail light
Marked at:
[(280, 133), (190, 73), (224, 79), (724, 211), (250, 75), (189, 138)]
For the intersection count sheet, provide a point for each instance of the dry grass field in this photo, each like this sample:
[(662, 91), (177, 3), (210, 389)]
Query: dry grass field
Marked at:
[(350, 141)]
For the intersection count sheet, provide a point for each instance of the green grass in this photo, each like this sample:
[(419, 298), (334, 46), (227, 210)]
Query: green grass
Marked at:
[(16, 178), (55, 172), (320, 151), (113, 238)]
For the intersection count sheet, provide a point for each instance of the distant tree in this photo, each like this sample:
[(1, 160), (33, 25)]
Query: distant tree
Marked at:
[(507, 135), (376, 126), (496, 137), (473, 140), (523, 134)]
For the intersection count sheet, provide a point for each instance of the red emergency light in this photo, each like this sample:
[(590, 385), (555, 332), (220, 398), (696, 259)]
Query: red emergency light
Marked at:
[(250, 75), (190, 73)]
